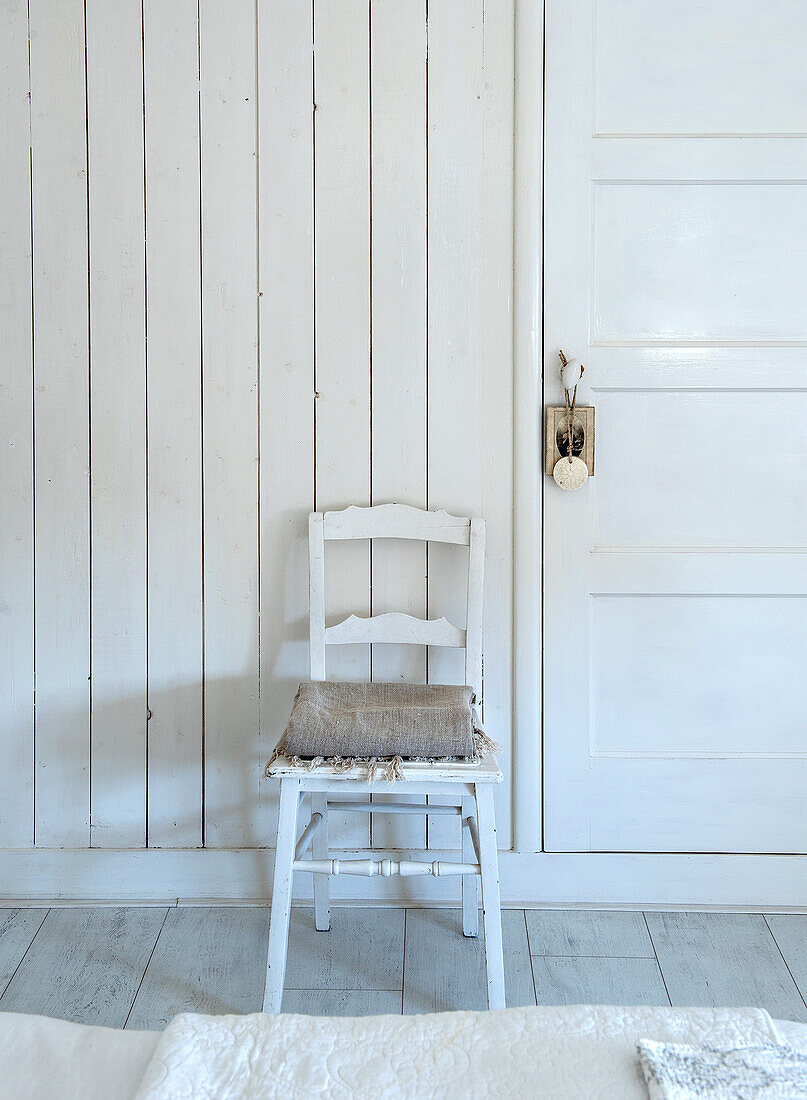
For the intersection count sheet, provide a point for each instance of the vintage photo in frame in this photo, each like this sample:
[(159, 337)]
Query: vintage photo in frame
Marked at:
[(556, 435)]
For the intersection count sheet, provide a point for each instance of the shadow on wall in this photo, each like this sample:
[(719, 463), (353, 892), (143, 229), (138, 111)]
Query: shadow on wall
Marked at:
[(169, 764)]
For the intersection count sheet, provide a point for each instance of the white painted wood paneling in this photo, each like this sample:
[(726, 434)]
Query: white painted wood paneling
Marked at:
[(171, 71), (454, 296), (272, 271), (17, 434), (495, 396), (470, 325), (455, 154), (61, 423), (399, 415), (118, 418), (286, 258), (230, 414), (342, 315)]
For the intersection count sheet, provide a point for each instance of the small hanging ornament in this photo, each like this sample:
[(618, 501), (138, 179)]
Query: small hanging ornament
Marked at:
[(570, 472), (570, 373)]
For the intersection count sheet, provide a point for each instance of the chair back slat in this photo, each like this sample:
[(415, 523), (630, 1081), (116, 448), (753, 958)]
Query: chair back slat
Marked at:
[(396, 628), (397, 521)]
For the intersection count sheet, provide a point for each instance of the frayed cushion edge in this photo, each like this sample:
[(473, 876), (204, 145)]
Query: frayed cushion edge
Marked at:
[(392, 765)]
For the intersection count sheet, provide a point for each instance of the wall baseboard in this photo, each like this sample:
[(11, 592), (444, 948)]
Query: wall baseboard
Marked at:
[(217, 876)]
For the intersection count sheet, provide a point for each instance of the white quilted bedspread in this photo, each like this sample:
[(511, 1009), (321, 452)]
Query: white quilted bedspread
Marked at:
[(582, 1053)]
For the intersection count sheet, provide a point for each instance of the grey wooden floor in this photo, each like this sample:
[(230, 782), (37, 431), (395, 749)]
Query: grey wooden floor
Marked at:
[(137, 967)]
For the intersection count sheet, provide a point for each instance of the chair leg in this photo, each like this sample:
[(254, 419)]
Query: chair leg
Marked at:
[(281, 895), (491, 906), (322, 883), (470, 886)]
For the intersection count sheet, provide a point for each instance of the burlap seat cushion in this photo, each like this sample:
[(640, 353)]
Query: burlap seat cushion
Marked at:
[(366, 721)]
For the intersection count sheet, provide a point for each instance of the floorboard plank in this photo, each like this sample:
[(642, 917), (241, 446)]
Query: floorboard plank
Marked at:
[(206, 960), (588, 979), (726, 960), (518, 984), (444, 970), (85, 964), (17, 930), (790, 932), (603, 933), (363, 950), (343, 1002)]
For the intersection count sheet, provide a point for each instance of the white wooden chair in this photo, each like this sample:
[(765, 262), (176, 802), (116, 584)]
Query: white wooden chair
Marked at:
[(464, 789)]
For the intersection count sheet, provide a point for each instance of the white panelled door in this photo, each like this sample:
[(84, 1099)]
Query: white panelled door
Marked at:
[(676, 577)]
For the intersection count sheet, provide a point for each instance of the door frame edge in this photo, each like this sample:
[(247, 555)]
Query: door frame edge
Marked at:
[(528, 155)]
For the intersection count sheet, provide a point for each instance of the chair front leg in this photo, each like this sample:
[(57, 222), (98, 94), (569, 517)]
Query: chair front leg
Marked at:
[(491, 905), (322, 883), (281, 895)]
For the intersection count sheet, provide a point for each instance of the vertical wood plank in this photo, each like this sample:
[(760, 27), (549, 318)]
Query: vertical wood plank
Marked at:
[(118, 417), (17, 433), (61, 423), (342, 349), (454, 289), (173, 259), (230, 409), (495, 357), (286, 273), (455, 263), (470, 334), (398, 348)]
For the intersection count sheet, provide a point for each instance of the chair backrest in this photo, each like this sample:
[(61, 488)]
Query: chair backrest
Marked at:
[(397, 521)]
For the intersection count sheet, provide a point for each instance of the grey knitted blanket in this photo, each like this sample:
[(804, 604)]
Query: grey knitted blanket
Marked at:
[(677, 1071), (348, 723)]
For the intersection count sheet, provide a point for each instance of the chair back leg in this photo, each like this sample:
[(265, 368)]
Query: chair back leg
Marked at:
[(491, 905), (281, 895), (470, 883), (322, 883)]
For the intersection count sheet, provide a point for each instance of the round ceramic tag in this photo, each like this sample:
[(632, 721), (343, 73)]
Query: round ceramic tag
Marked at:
[(570, 474)]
